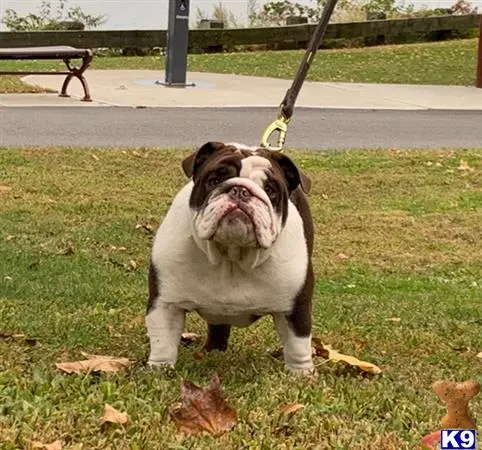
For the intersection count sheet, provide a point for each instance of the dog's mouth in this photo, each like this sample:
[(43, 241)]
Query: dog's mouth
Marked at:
[(237, 213), (232, 222)]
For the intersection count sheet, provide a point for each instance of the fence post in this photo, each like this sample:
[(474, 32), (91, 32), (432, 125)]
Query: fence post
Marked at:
[(478, 82), (298, 20), (209, 24)]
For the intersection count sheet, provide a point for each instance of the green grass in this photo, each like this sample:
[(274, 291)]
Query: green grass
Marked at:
[(444, 63), (409, 222)]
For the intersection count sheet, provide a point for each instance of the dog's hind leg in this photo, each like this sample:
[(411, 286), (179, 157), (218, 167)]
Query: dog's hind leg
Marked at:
[(218, 337)]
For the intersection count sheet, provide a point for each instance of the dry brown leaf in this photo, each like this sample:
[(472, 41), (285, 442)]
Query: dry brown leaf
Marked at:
[(95, 157), (18, 336), (342, 256), (327, 352), (464, 166), (94, 363), (189, 338), (5, 188), (203, 410), (57, 445), (69, 250), (479, 355), (111, 415), (291, 408), (198, 356), (147, 227), (394, 319), (461, 349), (6, 335), (11, 237), (134, 264)]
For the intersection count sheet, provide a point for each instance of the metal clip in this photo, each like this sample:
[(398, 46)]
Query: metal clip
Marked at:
[(280, 125)]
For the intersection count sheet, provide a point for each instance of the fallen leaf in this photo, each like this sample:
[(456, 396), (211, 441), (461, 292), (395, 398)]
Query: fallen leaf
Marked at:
[(94, 363), (189, 338), (203, 410), (394, 319), (95, 157), (325, 351), (198, 356), (57, 445), (4, 188), (134, 264), (464, 166), (479, 355), (146, 227), (111, 415), (324, 196), (11, 237), (342, 256), (6, 335), (69, 250), (461, 349), (291, 408)]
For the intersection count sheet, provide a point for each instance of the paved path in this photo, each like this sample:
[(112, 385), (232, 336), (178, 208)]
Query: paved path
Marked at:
[(186, 127), (138, 88)]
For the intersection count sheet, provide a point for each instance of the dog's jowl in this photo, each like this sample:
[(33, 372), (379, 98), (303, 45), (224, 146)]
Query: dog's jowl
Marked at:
[(235, 245)]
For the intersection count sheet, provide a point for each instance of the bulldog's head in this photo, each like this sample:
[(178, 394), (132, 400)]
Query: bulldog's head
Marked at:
[(240, 194)]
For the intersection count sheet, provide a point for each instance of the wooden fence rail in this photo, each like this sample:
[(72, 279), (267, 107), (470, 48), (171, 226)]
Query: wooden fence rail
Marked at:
[(202, 38)]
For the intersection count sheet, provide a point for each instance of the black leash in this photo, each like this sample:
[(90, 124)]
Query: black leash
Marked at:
[(280, 125)]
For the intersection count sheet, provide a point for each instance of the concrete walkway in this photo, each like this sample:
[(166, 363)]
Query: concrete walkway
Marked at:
[(137, 88)]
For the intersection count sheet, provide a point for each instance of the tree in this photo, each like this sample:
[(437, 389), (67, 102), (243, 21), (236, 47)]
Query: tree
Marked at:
[(48, 18), (463, 7)]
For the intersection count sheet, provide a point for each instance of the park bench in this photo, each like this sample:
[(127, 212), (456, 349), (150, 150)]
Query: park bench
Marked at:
[(65, 53)]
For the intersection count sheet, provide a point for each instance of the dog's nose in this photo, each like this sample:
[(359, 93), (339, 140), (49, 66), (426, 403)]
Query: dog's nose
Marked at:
[(239, 193)]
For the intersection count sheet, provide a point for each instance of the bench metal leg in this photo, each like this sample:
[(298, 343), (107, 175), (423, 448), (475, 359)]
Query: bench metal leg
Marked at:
[(79, 74)]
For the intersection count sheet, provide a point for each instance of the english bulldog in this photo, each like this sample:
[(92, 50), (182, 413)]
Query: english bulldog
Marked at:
[(235, 245)]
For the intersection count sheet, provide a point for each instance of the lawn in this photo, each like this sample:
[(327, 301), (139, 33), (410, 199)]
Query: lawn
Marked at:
[(445, 63), (399, 274)]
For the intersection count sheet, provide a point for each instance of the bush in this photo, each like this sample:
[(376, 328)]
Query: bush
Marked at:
[(49, 19)]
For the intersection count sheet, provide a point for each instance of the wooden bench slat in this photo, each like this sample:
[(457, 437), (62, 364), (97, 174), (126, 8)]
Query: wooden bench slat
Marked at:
[(50, 52)]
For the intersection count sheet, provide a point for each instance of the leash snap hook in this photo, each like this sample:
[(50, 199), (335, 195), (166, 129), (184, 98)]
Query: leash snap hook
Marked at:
[(279, 126)]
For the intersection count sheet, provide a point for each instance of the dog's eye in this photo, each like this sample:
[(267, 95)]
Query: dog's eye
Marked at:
[(271, 192), (213, 181)]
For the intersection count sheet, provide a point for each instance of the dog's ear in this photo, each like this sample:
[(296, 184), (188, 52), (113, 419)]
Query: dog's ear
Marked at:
[(194, 161), (294, 176)]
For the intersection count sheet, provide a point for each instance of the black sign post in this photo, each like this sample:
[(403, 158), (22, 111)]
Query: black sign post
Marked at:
[(177, 44)]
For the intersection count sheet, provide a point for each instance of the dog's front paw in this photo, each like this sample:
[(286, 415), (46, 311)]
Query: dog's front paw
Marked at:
[(160, 364), (305, 370)]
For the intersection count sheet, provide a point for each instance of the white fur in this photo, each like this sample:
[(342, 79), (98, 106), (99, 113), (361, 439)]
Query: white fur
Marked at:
[(254, 168), (242, 146), (225, 285), (296, 350)]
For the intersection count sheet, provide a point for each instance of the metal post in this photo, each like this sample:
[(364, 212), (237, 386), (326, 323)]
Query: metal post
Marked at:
[(177, 44), (478, 82)]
